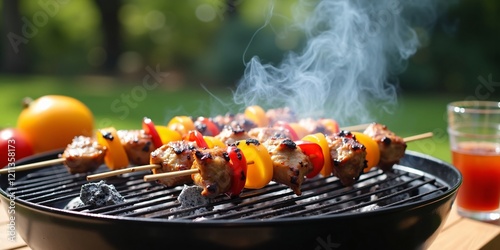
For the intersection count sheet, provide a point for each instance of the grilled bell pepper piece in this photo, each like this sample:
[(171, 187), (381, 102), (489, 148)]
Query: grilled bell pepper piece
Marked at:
[(167, 135), (149, 128), (181, 124), (213, 142), (239, 167), (299, 129), (211, 129), (116, 157), (320, 139), (260, 165), (286, 125), (330, 124), (196, 136), (257, 115), (372, 150), (315, 154)]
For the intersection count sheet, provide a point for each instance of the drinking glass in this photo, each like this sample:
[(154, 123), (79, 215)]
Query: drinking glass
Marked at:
[(474, 131)]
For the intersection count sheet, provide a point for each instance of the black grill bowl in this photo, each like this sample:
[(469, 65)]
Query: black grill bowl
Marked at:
[(404, 225)]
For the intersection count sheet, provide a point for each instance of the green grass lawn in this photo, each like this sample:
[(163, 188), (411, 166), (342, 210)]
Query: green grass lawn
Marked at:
[(123, 105)]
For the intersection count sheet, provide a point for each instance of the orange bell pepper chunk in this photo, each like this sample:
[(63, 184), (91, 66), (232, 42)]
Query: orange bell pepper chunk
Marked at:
[(116, 157), (260, 165)]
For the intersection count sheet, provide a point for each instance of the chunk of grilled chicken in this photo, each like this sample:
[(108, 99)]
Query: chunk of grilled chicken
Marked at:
[(173, 156), (313, 126), (83, 155), (234, 120), (266, 133), (280, 114), (137, 144), (214, 171), (230, 135), (290, 164), (392, 147), (348, 157)]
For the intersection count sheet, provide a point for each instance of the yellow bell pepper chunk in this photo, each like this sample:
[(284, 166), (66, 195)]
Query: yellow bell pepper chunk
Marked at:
[(257, 115), (214, 142), (372, 150), (320, 139), (181, 124), (260, 165), (167, 135), (116, 157)]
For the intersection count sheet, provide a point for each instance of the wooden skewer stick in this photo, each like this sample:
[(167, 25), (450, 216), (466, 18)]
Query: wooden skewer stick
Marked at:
[(32, 165), (154, 177), (418, 137), (122, 171)]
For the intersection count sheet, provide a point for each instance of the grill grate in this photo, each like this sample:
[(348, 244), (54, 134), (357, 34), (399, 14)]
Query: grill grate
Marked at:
[(54, 187)]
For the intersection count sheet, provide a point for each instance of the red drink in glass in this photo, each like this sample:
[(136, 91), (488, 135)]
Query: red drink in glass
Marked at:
[(479, 163)]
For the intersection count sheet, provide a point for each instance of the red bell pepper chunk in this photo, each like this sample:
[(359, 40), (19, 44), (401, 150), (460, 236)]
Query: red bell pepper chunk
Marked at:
[(315, 154), (285, 125), (211, 127), (197, 136), (149, 128), (239, 167)]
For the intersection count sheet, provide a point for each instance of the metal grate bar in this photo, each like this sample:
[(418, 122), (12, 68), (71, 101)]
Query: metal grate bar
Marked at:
[(320, 196)]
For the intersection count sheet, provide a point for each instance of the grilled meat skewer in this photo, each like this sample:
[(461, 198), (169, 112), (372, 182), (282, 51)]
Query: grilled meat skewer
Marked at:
[(392, 147), (174, 156), (290, 164), (348, 157), (84, 154), (138, 145), (215, 171)]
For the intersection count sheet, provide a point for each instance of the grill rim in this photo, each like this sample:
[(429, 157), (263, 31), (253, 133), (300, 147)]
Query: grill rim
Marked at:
[(261, 222)]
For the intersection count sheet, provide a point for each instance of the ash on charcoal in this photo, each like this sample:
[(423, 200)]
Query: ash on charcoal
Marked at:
[(100, 194), (191, 197), (74, 203)]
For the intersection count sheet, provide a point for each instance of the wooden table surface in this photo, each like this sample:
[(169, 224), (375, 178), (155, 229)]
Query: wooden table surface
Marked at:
[(457, 233)]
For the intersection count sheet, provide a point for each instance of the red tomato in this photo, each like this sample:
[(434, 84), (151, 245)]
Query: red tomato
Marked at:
[(14, 145)]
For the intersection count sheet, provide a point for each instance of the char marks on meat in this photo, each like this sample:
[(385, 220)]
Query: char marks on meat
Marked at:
[(266, 133), (215, 171), (230, 135), (232, 120), (348, 157), (83, 155), (290, 164), (392, 147), (280, 114), (137, 144), (173, 156)]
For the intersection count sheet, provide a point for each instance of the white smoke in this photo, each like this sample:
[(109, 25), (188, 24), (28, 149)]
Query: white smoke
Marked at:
[(354, 49)]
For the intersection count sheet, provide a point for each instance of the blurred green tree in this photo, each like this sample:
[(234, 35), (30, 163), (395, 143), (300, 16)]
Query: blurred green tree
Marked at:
[(208, 41)]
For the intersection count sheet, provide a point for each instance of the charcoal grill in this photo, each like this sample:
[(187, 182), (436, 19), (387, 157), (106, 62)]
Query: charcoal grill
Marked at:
[(403, 209)]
